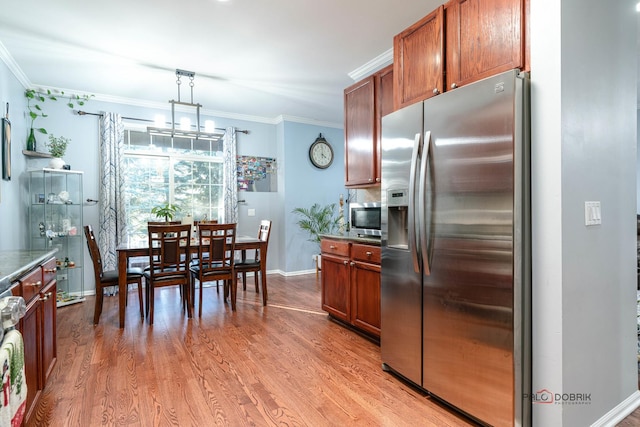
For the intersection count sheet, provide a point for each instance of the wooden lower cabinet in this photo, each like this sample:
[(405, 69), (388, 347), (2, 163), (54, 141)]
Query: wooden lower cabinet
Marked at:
[(38, 328), (351, 284)]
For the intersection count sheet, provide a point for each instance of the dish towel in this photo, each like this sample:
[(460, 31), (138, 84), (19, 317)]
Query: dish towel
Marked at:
[(13, 394)]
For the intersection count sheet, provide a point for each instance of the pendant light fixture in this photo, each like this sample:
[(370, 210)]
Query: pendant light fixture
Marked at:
[(184, 128)]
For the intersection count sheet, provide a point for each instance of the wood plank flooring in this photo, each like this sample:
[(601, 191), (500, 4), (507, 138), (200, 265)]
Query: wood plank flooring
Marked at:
[(284, 364)]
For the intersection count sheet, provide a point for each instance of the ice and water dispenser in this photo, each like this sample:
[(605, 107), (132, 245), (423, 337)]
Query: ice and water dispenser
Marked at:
[(397, 217)]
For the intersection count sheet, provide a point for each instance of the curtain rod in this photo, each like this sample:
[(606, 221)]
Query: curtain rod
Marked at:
[(85, 113)]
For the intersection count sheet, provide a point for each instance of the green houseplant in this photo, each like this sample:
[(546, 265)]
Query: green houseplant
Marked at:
[(166, 211), (35, 99), (57, 145), (317, 220)]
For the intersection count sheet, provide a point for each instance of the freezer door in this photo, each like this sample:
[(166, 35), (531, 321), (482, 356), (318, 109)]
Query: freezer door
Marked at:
[(469, 295), (401, 286)]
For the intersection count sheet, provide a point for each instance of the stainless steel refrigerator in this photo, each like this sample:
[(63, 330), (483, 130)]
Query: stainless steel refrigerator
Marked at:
[(456, 247)]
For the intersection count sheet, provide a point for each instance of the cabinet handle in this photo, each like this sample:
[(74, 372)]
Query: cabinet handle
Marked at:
[(453, 85), (46, 296), (37, 284), (378, 179), (50, 270), (369, 254), (332, 247), (370, 179), (352, 264), (436, 91), (345, 262)]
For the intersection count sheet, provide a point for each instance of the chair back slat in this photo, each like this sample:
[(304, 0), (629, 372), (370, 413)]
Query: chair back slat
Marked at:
[(217, 245), (94, 252), (169, 251)]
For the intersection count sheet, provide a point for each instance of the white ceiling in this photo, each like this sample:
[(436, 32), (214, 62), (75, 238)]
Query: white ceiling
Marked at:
[(255, 58)]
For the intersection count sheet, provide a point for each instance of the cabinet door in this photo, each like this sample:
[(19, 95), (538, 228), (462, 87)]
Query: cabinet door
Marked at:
[(418, 53), (49, 350), (484, 38), (335, 286), (30, 327), (360, 133), (365, 307)]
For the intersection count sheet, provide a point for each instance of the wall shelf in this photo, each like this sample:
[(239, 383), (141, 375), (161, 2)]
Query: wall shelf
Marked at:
[(29, 153)]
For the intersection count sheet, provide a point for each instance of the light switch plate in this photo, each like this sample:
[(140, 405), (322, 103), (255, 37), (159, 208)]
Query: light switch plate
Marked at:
[(592, 213), (251, 212)]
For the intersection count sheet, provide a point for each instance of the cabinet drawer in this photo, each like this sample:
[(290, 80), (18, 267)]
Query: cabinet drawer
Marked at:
[(365, 253), (31, 284), (49, 271), (334, 247)]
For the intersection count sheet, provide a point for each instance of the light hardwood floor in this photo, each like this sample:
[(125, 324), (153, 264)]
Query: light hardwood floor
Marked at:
[(284, 364)]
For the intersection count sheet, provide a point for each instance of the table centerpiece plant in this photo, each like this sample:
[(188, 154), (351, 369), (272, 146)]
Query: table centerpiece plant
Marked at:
[(166, 211)]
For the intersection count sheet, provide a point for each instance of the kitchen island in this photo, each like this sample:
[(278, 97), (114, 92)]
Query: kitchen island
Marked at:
[(351, 281)]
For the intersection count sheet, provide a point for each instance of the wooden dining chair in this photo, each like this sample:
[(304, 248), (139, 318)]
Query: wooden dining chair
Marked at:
[(244, 265), (104, 278), (216, 244), (169, 257)]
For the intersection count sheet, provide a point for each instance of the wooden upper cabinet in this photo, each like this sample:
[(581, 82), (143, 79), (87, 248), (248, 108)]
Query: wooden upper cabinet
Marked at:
[(483, 38), (360, 133), (418, 55)]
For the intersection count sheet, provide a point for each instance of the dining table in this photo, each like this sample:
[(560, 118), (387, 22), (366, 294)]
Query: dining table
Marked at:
[(132, 250)]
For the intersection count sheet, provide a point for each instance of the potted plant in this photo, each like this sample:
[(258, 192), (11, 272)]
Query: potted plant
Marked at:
[(35, 100), (166, 211), (316, 221), (57, 146)]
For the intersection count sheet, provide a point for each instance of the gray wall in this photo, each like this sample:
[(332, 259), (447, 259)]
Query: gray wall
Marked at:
[(583, 57)]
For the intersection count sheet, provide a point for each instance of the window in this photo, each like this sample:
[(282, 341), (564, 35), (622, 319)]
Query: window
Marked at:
[(157, 169)]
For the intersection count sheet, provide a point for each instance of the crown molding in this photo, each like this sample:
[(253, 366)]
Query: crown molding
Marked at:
[(13, 66), (375, 64)]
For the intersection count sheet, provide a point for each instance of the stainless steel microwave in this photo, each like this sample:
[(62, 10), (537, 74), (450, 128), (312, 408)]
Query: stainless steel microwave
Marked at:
[(364, 218)]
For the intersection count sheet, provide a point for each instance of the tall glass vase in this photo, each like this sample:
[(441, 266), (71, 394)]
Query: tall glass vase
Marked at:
[(31, 141)]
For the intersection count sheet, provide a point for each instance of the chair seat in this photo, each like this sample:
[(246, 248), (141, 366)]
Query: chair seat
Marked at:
[(111, 276), (239, 264)]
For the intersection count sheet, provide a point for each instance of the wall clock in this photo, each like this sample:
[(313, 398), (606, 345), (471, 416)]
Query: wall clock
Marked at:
[(321, 153)]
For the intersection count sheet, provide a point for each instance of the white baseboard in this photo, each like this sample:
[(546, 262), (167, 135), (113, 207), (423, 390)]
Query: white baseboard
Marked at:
[(620, 412)]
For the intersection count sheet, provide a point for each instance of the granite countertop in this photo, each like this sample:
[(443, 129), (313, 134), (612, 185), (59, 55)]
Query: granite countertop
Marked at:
[(14, 264), (375, 241)]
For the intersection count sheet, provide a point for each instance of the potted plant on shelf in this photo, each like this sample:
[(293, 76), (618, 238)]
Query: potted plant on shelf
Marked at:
[(166, 211), (316, 221), (57, 146)]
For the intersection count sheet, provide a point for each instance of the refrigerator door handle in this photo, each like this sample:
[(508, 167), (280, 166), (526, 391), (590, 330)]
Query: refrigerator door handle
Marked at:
[(422, 208), (413, 229)]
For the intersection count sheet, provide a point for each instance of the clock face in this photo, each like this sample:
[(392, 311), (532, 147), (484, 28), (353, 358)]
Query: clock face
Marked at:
[(321, 154)]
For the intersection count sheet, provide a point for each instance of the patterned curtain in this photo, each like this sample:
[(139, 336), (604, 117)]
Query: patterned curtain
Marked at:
[(112, 216), (229, 181)]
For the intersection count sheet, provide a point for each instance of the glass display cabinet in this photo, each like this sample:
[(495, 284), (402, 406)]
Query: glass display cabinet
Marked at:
[(55, 221)]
